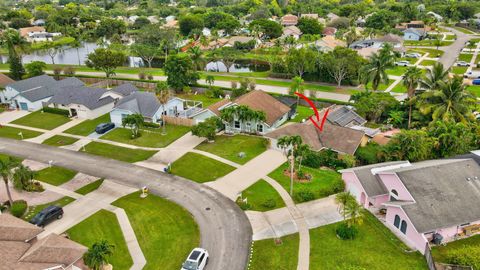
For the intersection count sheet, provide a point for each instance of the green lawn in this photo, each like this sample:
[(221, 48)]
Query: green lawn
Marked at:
[(199, 168), (399, 88), (88, 126), (90, 187), (463, 30), (103, 225), (474, 89), (261, 196), (428, 62), (165, 231), (42, 120), (206, 101), (13, 133), (467, 57), (431, 52), (269, 255), (229, 147), (426, 42), (55, 175), (4, 157), (440, 253), (322, 184), (150, 137), (303, 112), (59, 140), (398, 71), (381, 87), (459, 70), (375, 248), (118, 152), (35, 209)]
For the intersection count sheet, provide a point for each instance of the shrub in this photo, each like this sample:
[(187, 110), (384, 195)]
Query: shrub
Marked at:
[(215, 92), (151, 125), (56, 72), (150, 77), (34, 186), (304, 196), (327, 158), (368, 154), (243, 205), (466, 255), (336, 187), (56, 111), (69, 71), (345, 232), (301, 174), (270, 203), (142, 75), (18, 208)]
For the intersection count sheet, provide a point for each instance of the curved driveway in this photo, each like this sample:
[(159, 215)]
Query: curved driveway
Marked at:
[(225, 230)]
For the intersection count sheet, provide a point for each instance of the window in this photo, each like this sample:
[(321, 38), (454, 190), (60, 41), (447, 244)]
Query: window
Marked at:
[(396, 221), (394, 195), (403, 227), (201, 259), (260, 128), (236, 124)]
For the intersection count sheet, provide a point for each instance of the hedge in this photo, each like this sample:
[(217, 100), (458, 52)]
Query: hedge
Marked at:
[(56, 111), (18, 208)]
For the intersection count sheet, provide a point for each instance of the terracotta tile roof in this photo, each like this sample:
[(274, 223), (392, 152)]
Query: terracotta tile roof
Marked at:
[(15, 229), (215, 107), (289, 19), (54, 249), (336, 138), (24, 31), (261, 101), (5, 80), (329, 31)]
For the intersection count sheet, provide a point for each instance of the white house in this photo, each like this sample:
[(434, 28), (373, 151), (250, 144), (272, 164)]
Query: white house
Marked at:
[(414, 34), (291, 31), (32, 93)]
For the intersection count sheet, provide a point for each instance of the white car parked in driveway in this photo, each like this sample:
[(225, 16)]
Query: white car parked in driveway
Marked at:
[(197, 260), (402, 63), (462, 64)]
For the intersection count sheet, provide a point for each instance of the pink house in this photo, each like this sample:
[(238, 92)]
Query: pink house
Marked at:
[(430, 201)]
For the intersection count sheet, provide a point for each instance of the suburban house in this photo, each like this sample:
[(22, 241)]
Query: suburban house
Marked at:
[(339, 139), (367, 47), (4, 81), (425, 202), (437, 16), (276, 112), (20, 248), (414, 34), (329, 31), (37, 34), (412, 24), (291, 31), (332, 16), (289, 20), (328, 43), (32, 93), (344, 116)]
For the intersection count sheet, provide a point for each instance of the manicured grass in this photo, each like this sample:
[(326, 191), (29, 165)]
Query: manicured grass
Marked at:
[(90, 187), (229, 147), (35, 209), (463, 30), (467, 57), (303, 113), (12, 133), (427, 42), (474, 89), (88, 126), (59, 140), (118, 152), (260, 197), (398, 71), (4, 157), (428, 62), (269, 255), (199, 168), (42, 120), (440, 253), (381, 87), (165, 231), (322, 184), (459, 70), (399, 88), (55, 175), (431, 52), (150, 137), (375, 248), (206, 101), (103, 225)]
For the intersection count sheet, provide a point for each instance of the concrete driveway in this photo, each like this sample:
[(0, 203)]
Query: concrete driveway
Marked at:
[(224, 228)]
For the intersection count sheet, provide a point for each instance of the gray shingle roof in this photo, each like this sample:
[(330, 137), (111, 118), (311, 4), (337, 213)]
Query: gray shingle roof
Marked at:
[(86, 96), (41, 87), (144, 103), (447, 193), (125, 89)]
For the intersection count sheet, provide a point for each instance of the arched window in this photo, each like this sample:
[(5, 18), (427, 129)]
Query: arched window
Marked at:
[(394, 195), (403, 227), (396, 221), (394, 192)]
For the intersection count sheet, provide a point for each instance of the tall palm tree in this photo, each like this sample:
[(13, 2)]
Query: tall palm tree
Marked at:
[(98, 254), (197, 57), (297, 86), (355, 212), (342, 199), (290, 144), (163, 94), (411, 80), (435, 77), (376, 69), (451, 102), (6, 171)]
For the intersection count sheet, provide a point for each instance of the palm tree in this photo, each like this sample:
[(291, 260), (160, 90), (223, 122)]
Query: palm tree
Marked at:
[(411, 80), (290, 144), (342, 199), (98, 254), (297, 86), (355, 212), (163, 95), (434, 77), (210, 80), (450, 103), (134, 121), (6, 167), (22, 177), (302, 150), (376, 69), (197, 56)]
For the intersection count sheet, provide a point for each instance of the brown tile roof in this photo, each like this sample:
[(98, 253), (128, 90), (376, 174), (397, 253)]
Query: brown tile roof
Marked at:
[(289, 19), (5, 80), (54, 249), (15, 229), (261, 101), (215, 107), (339, 139), (24, 31)]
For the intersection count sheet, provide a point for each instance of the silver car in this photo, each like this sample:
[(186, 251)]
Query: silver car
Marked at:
[(197, 260)]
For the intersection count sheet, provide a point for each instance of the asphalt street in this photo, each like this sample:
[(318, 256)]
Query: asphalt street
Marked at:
[(224, 227), (449, 58)]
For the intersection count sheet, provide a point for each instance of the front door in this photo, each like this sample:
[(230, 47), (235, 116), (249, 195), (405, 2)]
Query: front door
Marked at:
[(23, 106), (73, 112)]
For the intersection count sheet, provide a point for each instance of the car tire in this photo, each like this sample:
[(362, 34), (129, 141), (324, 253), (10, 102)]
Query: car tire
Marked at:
[(206, 262), (59, 216)]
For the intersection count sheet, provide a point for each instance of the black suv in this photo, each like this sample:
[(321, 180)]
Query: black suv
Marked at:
[(47, 215), (104, 127)]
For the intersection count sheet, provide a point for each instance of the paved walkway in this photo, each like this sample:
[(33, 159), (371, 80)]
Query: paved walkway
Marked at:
[(399, 79), (235, 182), (9, 116)]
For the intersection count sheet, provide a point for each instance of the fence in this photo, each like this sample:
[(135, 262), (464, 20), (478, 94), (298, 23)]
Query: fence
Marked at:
[(429, 258), (101, 82), (179, 121)]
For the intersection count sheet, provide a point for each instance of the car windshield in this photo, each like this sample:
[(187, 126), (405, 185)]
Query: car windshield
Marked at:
[(190, 265)]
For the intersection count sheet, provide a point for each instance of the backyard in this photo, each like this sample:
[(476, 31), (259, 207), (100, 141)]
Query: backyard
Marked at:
[(55, 175), (261, 196), (103, 225), (303, 113), (463, 246), (375, 248), (229, 147), (88, 126), (165, 231), (59, 140), (279, 256), (118, 152), (199, 168), (17, 133), (474, 89), (43, 120), (150, 137), (206, 101), (322, 184)]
